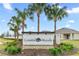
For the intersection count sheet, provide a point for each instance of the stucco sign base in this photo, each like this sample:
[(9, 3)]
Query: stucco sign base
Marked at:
[(37, 47)]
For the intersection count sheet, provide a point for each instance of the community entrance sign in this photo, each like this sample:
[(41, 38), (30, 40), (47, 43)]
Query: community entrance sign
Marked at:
[(40, 40)]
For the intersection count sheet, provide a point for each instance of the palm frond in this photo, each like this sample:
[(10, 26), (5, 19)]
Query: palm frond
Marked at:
[(55, 13)]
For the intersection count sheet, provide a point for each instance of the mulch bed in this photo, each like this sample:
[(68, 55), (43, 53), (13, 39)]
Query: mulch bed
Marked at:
[(35, 52)]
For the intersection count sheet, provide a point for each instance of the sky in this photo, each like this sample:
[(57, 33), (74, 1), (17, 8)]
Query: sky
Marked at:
[(7, 11)]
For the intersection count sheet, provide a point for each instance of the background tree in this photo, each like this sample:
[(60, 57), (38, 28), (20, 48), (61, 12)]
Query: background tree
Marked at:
[(7, 34), (14, 24), (12, 27), (2, 35), (54, 12), (37, 8)]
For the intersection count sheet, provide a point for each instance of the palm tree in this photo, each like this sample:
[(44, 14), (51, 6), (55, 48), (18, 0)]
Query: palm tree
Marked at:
[(15, 26), (23, 15), (12, 27), (54, 12), (37, 8)]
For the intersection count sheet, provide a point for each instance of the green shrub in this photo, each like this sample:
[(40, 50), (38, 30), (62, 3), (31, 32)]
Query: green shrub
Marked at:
[(19, 50), (61, 49), (66, 47), (11, 48), (55, 51)]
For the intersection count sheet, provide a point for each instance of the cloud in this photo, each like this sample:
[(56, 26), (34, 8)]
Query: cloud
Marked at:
[(68, 25), (71, 21), (3, 20), (7, 6), (32, 28), (73, 10)]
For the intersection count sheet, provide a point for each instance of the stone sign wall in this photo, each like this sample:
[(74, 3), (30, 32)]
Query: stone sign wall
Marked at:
[(39, 39)]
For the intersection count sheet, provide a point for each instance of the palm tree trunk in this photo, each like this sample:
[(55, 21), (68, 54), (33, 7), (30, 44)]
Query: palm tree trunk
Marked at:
[(23, 26), (38, 23), (17, 41), (54, 41), (15, 34)]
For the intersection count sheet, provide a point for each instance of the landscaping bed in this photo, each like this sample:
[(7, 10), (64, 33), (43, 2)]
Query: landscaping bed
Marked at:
[(61, 50), (43, 52), (39, 52)]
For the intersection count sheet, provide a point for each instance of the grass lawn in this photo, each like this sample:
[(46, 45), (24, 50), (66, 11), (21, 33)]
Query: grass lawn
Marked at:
[(3, 44), (74, 42), (2, 40)]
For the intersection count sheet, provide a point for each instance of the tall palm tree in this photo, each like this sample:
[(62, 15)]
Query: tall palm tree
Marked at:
[(23, 15), (15, 26), (37, 8), (54, 12)]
